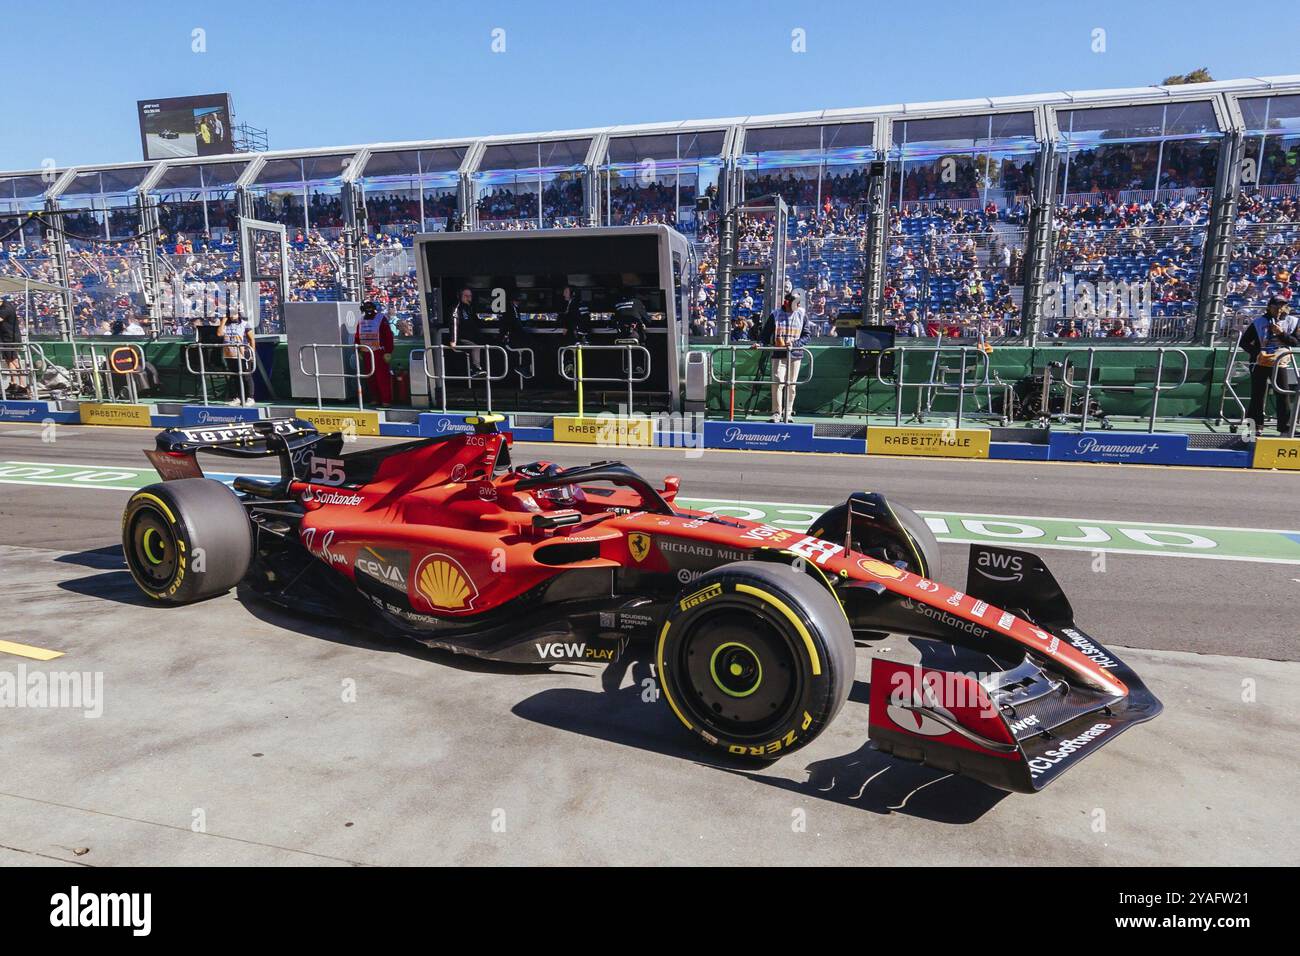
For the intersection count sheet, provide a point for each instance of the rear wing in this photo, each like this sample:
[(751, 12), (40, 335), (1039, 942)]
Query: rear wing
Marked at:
[(292, 440)]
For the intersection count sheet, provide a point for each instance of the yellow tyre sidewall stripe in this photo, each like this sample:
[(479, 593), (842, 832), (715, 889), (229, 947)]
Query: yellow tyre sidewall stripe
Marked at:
[(663, 680), (180, 545), (781, 607), (791, 617)]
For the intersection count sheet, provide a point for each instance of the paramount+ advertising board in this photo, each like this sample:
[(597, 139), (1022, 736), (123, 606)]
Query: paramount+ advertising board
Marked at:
[(762, 436), (1138, 448)]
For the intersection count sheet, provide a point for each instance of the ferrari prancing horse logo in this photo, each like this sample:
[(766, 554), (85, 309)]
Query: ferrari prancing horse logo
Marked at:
[(639, 545)]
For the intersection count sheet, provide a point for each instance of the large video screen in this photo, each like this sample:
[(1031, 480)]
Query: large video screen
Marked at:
[(186, 126)]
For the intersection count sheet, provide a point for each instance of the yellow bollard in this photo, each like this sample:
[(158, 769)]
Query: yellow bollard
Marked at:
[(579, 367)]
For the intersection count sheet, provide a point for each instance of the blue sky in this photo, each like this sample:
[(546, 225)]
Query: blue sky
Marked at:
[(323, 73)]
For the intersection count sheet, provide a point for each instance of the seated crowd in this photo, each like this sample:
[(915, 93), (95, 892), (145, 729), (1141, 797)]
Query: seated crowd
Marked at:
[(954, 267)]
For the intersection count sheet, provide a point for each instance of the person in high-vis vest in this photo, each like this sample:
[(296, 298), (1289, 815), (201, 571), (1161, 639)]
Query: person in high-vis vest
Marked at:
[(1267, 341), (374, 331)]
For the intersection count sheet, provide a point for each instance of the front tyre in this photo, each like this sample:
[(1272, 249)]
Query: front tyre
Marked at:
[(186, 540), (756, 658), (910, 541)]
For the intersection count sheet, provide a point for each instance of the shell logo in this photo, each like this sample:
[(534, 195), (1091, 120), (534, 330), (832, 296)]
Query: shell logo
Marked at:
[(443, 585), (880, 569)]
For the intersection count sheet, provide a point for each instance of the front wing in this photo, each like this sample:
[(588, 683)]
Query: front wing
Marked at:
[(1016, 728)]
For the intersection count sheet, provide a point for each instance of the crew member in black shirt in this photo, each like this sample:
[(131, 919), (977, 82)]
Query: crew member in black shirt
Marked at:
[(512, 326), (629, 320), (465, 331), (571, 317), (11, 351)]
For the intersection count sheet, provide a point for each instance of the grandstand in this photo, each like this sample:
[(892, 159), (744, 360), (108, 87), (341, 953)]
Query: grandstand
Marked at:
[(1187, 193)]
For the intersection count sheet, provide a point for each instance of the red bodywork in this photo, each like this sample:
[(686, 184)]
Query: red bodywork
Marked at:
[(474, 543)]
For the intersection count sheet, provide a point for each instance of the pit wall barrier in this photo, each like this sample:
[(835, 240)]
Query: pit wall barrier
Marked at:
[(1282, 453), (1064, 444), (37, 413), (824, 396)]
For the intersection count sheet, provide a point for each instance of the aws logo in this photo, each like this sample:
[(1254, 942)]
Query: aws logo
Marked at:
[(1000, 567), (639, 545), (443, 585)]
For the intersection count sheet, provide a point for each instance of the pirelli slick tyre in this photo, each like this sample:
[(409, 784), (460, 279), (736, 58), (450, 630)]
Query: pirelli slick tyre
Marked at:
[(919, 547), (186, 540), (755, 658)]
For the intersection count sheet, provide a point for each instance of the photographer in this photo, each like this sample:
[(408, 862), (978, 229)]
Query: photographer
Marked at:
[(1263, 341), (786, 328)]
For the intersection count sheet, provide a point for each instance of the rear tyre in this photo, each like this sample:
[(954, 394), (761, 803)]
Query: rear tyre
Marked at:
[(186, 540), (917, 545), (756, 658)]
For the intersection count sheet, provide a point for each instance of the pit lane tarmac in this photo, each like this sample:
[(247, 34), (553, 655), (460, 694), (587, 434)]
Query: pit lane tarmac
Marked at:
[(231, 733)]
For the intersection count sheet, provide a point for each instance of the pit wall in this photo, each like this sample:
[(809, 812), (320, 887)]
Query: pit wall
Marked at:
[(824, 395)]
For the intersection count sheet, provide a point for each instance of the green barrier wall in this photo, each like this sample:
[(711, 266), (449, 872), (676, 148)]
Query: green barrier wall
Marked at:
[(824, 395), (1116, 367)]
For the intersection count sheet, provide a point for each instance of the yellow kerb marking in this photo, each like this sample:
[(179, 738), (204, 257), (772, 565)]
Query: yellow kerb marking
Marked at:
[(26, 650)]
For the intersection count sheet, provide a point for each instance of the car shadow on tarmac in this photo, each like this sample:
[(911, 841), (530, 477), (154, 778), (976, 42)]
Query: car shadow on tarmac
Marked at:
[(355, 635), (112, 583), (865, 779)]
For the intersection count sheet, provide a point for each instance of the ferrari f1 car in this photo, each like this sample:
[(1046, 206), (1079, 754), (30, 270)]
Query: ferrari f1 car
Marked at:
[(751, 628)]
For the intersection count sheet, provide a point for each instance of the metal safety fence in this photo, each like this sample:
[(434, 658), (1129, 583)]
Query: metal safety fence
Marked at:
[(246, 365), (962, 379), (21, 367), (475, 371), (764, 371), (632, 373), (112, 372), (1090, 386), (1286, 361), (315, 373)]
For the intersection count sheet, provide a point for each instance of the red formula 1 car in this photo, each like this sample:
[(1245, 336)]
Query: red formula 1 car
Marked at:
[(752, 629)]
